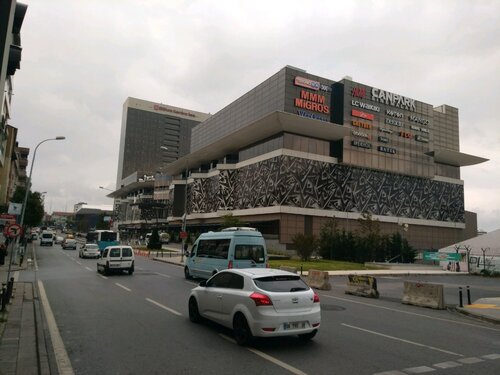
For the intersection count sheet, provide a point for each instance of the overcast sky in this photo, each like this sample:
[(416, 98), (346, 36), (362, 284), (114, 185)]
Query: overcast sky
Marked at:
[(82, 59)]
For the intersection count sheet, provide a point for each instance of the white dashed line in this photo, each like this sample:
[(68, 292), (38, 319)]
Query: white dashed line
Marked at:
[(162, 274), (88, 268), (164, 307), (80, 263), (491, 356), (103, 277), (410, 313), (123, 287), (282, 364), (449, 364), (419, 370), (402, 340), (471, 360)]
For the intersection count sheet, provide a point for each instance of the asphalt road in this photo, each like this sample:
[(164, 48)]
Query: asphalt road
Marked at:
[(139, 324)]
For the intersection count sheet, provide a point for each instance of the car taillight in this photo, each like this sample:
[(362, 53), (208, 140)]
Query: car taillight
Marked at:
[(230, 264), (316, 298), (261, 299)]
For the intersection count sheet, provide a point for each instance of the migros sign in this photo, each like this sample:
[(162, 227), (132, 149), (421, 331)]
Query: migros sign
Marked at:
[(312, 101)]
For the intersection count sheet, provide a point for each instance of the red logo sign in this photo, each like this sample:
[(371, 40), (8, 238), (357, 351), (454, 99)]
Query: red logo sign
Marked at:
[(13, 230), (358, 92), (183, 235), (307, 83), (366, 116)]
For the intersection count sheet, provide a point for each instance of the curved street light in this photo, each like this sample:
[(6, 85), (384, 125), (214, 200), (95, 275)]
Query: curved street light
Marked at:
[(103, 188), (28, 184)]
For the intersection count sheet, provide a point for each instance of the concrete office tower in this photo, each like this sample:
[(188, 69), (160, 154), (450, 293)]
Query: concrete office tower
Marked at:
[(299, 149), (146, 126)]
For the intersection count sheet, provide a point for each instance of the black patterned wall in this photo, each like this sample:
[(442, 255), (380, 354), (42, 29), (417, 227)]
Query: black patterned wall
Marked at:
[(296, 182)]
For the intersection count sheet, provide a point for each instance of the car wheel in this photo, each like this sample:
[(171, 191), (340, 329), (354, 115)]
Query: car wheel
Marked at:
[(106, 270), (308, 336), (194, 313), (242, 332), (131, 270), (187, 275)]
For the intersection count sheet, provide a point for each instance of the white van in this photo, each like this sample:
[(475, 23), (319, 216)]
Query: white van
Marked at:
[(236, 247), (47, 238), (116, 258)]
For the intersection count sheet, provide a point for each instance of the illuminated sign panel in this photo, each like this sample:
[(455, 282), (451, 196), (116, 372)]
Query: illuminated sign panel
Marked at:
[(361, 144), (358, 92), (418, 120), (312, 102), (419, 138), (367, 116), (387, 150), (361, 124), (405, 135), (361, 134), (383, 139), (307, 83), (391, 121), (384, 130)]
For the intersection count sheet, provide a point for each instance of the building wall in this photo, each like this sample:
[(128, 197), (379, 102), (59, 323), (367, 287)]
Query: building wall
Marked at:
[(146, 126)]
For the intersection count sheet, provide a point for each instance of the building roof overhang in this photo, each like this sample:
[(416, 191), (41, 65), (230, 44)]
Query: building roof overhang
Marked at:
[(125, 190), (267, 126), (455, 158)]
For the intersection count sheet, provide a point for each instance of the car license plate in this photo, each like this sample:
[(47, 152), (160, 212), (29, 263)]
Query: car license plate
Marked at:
[(294, 325)]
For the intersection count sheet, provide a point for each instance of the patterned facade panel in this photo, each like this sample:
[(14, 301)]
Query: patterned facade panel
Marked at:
[(296, 182)]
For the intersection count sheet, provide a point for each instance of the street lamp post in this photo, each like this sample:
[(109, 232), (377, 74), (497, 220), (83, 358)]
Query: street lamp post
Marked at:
[(28, 188), (28, 185)]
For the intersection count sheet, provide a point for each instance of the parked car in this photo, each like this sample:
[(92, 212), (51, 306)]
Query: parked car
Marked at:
[(69, 243), (235, 247), (257, 302), (116, 258), (89, 250)]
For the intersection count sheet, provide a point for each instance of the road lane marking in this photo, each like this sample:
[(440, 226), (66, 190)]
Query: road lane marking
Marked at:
[(491, 356), (123, 287), (470, 360), (80, 263), (411, 313), (276, 361), (104, 277), (164, 307), (402, 340), (88, 268), (419, 370), (140, 268), (162, 274), (445, 365), (62, 359)]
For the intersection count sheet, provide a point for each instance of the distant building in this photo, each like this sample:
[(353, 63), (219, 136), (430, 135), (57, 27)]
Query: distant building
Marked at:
[(11, 19), (152, 135)]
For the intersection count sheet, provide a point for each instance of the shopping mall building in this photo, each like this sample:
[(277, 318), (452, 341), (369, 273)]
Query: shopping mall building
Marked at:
[(300, 149)]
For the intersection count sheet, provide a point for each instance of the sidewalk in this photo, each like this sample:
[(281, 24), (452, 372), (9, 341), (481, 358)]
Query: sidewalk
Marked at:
[(22, 342), (487, 309)]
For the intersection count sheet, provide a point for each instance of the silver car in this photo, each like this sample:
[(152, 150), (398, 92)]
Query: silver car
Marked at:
[(257, 302), (89, 250)]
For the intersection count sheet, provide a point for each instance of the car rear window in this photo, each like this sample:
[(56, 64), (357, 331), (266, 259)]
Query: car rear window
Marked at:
[(46, 235), (249, 252), (126, 252), (281, 283)]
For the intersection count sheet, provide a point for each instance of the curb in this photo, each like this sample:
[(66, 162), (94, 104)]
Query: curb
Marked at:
[(482, 317)]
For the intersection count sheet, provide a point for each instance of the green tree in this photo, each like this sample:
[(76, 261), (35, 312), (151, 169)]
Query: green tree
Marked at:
[(327, 242), (154, 242), (369, 239), (231, 221), (305, 244), (34, 206)]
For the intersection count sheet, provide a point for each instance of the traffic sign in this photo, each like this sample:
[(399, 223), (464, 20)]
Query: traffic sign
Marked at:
[(13, 230), (455, 257), (183, 235)]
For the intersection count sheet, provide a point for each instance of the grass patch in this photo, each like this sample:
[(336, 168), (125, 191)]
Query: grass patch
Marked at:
[(321, 265)]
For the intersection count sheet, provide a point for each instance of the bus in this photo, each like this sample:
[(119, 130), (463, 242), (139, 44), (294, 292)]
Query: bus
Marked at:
[(103, 238)]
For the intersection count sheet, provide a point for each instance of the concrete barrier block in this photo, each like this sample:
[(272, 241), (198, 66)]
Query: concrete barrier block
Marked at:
[(319, 280), (362, 285), (423, 294), (289, 269)]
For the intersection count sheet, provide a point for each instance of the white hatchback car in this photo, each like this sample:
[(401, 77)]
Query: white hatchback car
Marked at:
[(89, 250), (257, 302)]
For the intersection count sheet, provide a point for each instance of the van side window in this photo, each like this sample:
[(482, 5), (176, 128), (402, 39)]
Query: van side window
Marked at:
[(217, 249), (249, 252), (114, 253), (193, 251), (126, 252)]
